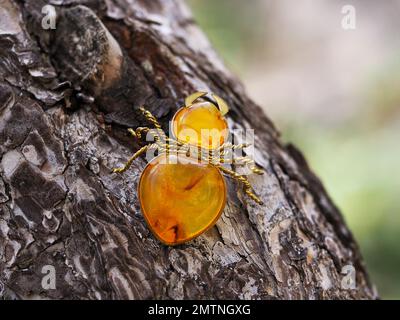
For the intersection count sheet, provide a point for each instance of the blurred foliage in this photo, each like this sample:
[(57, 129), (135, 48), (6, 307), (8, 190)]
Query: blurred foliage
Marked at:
[(230, 28), (359, 168), (357, 160)]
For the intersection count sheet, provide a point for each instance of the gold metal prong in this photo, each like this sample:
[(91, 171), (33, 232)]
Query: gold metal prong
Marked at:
[(221, 104), (193, 97)]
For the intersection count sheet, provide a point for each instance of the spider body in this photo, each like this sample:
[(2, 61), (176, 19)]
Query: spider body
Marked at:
[(180, 198)]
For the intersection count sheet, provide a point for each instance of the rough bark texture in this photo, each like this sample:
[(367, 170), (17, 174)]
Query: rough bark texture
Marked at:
[(66, 98)]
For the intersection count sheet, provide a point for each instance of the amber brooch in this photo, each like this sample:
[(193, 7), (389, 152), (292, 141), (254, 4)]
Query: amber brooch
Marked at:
[(182, 190)]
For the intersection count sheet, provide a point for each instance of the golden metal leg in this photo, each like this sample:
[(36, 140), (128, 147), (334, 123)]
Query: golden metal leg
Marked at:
[(152, 119), (129, 162), (246, 184)]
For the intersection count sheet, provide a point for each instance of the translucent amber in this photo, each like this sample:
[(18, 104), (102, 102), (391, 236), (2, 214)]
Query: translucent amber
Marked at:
[(180, 198), (201, 124)]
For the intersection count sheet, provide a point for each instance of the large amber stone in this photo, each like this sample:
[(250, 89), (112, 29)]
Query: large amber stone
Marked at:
[(201, 124), (180, 198)]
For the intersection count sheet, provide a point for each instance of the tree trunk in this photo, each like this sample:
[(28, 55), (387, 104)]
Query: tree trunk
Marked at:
[(67, 96)]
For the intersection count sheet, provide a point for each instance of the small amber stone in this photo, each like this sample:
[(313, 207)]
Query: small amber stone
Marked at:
[(180, 198), (200, 124)]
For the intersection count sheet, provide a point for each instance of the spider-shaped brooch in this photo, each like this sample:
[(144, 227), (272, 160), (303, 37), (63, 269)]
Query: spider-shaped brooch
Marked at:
[(182, 190)]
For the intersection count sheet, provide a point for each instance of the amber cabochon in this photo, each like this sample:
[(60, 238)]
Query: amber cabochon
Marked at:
[(188, 123), (180, 198)]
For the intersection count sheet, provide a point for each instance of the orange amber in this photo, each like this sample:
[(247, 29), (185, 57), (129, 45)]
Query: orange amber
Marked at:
[(180, 197), (200, 124)]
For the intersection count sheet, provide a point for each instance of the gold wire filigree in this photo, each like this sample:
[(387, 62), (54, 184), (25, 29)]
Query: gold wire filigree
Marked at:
[(217, 157)]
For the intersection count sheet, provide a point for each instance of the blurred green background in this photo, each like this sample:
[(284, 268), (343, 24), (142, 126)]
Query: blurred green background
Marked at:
[(335, 93)]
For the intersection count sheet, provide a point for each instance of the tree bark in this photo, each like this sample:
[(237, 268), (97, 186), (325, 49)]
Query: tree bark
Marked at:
[(67, 96)]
